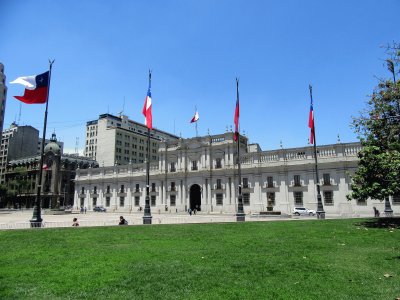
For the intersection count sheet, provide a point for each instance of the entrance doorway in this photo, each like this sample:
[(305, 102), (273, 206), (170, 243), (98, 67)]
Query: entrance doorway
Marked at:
[(195, 197)]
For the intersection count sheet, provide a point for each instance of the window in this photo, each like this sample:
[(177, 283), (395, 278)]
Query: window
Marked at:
[(271, 198), (218, 164), (298, 198), (172, 168), (219, 184), (153, 187), (94, 202), (137, 188), (361, 202), (245, 183), (297, 180), (122, 188), (172, 200), (121, 201), (82, 190), (328, 197), (396, 199), (137, 201), (95, 190), (194, 165), (219, 198), (108, 189), (153, 200), (270, 182), (108, 201), (173, 188), (327, 179), (246, 199)]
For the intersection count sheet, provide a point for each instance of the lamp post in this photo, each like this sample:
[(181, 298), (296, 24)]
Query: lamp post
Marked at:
[(240, 215)]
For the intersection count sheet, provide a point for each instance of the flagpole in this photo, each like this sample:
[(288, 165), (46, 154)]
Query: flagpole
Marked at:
[(240, 215), (320, 207), (37, 217), (196, 121), (147, 218)]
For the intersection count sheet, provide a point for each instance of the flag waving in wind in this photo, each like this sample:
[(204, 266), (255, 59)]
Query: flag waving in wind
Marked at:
[(36, 88), (147, 107), (195, 117), (311, 122)]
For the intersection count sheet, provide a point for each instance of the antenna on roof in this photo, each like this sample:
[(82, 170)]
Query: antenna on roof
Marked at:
[(76, 145), (123, 108)]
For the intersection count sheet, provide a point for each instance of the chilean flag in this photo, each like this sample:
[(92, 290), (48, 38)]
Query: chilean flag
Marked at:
[(195, 117), (147, 110), (36, 88), (311, 123), (236, 120)]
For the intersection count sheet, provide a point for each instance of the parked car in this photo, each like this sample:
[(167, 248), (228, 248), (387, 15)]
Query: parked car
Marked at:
[(303, 211), (99, 209)]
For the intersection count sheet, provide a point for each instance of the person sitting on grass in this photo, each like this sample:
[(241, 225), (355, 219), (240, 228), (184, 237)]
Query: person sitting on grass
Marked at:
[(75, 222), (122, 221)]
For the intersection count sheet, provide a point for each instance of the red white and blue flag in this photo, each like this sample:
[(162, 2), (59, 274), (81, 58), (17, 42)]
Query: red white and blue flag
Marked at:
[(195, 117), (236, 120), (36, 88), (311, 123), (147, 109)]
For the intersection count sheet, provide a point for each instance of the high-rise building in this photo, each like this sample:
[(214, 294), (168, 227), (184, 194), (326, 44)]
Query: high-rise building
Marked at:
[(112, 140), (17, 142), (3, 96)]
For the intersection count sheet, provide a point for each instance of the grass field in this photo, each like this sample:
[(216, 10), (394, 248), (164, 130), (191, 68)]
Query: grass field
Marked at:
[(329, 259)]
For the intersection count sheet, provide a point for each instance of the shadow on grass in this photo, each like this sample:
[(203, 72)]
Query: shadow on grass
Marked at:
[(381, 223)]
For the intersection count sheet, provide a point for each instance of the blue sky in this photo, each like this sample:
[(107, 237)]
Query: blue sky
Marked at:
[(103, 50)]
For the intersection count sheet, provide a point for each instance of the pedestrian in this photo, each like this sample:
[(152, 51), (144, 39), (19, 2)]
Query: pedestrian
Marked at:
[(75, 222), (376, 212), (190, 211), (85, 209), (122, 221), (81, 209)]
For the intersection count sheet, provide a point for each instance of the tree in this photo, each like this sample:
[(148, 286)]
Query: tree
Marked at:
[(18, 184), (378, 129)]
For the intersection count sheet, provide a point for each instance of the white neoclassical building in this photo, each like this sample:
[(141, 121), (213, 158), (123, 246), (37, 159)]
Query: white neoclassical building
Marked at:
[(201, 173)]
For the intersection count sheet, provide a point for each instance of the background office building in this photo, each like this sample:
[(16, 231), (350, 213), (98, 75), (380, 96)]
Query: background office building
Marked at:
[(112, 140)]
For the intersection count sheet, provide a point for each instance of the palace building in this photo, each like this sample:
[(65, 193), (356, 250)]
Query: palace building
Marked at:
[(201, 173)]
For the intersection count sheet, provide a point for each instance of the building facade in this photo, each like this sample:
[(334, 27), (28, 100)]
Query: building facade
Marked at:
[(112, 140), (3, 96), (17, 142), (201, 173), (58, 184)]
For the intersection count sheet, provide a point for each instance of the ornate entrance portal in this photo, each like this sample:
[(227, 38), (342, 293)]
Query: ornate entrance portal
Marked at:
[(195, 197)]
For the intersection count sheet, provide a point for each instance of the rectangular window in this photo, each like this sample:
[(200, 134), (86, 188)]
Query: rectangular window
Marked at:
[(361, 202), (245, 183), (153, 200), (122, 188), (297, 180), (108, 200), (95, 190), (153, 187), (121, 201), (328, 197), (270, 181), (396, 199), (246, 199), (218, 164), (298, 198), (172, 200), (219, 184), (82, 190), (271, 199), (327, 179), (219, 198), (172, 168), (194, 165), (137, 188), (108, 189), (137, 201), (173, 188), (94, 201)]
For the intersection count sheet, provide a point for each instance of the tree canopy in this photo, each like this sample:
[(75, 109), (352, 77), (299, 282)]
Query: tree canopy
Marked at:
[(378, 128)]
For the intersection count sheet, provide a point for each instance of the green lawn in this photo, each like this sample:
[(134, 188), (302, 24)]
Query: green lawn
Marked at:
[(327, 259)]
